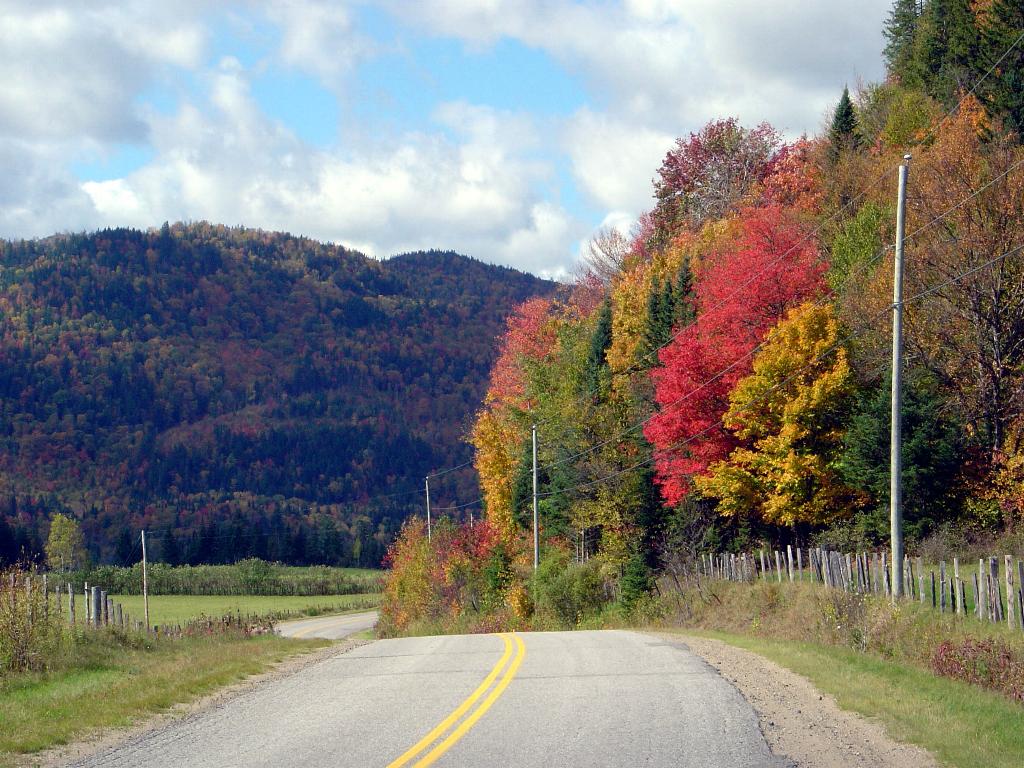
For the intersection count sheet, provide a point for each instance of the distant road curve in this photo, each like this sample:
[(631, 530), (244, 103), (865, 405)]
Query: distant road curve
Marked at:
[(526, 700), (329, 627)]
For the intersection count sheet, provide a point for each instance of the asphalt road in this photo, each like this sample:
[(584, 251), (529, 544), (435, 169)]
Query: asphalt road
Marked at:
[(329, 627), (544, 699)]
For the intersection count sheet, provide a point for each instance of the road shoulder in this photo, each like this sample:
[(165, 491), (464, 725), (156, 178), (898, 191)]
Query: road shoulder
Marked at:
[(108, 739), (797, 719)]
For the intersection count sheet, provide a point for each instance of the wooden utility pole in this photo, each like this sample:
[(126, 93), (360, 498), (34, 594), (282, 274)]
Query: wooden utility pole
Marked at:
[(145, 582), (426, 484), (896, 438), (536, 535)]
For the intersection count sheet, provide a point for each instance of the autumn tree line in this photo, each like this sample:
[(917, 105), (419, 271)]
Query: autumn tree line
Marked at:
[(234, 392), (719, 378)]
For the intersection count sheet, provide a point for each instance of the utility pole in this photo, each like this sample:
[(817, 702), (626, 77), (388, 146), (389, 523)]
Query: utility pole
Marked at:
[(426, 483), (145, 582), (536, 538), (896, 437)]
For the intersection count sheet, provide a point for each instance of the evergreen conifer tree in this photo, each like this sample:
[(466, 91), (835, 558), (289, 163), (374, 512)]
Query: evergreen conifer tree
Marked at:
[(597, 364), (843, 133), (1001, 47), (947, 48), (900, 31), (683, 313)]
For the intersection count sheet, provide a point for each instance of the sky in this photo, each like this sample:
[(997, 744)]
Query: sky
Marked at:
[(508, 130)]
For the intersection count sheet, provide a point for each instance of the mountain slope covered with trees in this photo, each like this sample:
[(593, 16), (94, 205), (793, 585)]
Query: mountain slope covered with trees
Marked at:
[(236, 392)]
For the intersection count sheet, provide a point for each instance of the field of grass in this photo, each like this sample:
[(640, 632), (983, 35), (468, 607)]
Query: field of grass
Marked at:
[(958, 723), (177, 609), (131, 680), (246, 577)]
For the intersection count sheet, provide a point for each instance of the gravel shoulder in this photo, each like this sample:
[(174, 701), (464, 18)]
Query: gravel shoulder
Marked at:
[(798, 720), (98, 742)]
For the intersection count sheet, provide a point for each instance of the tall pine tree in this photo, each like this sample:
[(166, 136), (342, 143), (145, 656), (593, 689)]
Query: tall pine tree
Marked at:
[(596, 372), (900, 30), (683, 312), (842, 135), (946, 49), (1002, 48)]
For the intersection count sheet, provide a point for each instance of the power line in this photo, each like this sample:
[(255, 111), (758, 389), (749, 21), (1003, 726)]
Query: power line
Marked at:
[(443, 472), (720, 423), (675, 335), (827, 297)]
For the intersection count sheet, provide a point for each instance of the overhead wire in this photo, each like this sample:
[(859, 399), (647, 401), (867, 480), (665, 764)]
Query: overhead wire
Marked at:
[(720, 423), (827, 297), (675, 334)]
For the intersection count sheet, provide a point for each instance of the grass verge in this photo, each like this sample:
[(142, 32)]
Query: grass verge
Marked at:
[(131, 679), (177, 609), (960, 724)]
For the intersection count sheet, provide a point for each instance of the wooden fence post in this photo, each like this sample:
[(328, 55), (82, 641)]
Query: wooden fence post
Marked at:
[(977, 598), (983, 587), (1020, 589), (942, 586), (996, 593), (71, 605), (1008, 567), (28, 601), (956, 581)]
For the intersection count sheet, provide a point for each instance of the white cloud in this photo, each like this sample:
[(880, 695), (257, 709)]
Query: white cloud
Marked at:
[(318, 37), (72, 77), (671, 65), (663, 68), (478, 191), (615, 160), (38, 195), (73, 71)]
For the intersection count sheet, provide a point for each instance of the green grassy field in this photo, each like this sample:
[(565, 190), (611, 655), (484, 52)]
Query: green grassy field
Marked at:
[(45, 710), (958, 723), (177, 609)]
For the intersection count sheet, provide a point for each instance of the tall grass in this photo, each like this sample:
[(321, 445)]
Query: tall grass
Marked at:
[(987, 655), (246, 577), (31, 627)]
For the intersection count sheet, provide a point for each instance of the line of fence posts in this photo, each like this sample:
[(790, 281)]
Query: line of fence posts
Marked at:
[(998, 597), (99, 609), (42, 595)]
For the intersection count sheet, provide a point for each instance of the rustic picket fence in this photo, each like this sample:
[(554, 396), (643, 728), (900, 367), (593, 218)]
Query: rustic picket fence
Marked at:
[(997, 587), (36, 595)]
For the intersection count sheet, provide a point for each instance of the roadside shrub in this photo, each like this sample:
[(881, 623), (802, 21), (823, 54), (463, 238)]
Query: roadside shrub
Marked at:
[(31, 630), (986, 662), (637, 582), (570, 592), (461, 579)]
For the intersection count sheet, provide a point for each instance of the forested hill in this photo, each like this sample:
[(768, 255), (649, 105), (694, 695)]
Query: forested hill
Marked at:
[(237, 391)]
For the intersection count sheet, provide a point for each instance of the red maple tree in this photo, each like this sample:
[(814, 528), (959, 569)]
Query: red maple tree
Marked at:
[(741, 292)]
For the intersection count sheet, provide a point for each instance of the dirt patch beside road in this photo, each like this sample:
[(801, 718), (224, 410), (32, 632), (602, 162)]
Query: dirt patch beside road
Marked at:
[(798, 720)]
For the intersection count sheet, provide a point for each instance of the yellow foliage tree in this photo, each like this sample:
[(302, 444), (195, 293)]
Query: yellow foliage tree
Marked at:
[(630, 292), (497, 438), (789, 413)]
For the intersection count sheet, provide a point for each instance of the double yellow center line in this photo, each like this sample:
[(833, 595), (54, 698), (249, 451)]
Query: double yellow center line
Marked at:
[(459, 731)]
